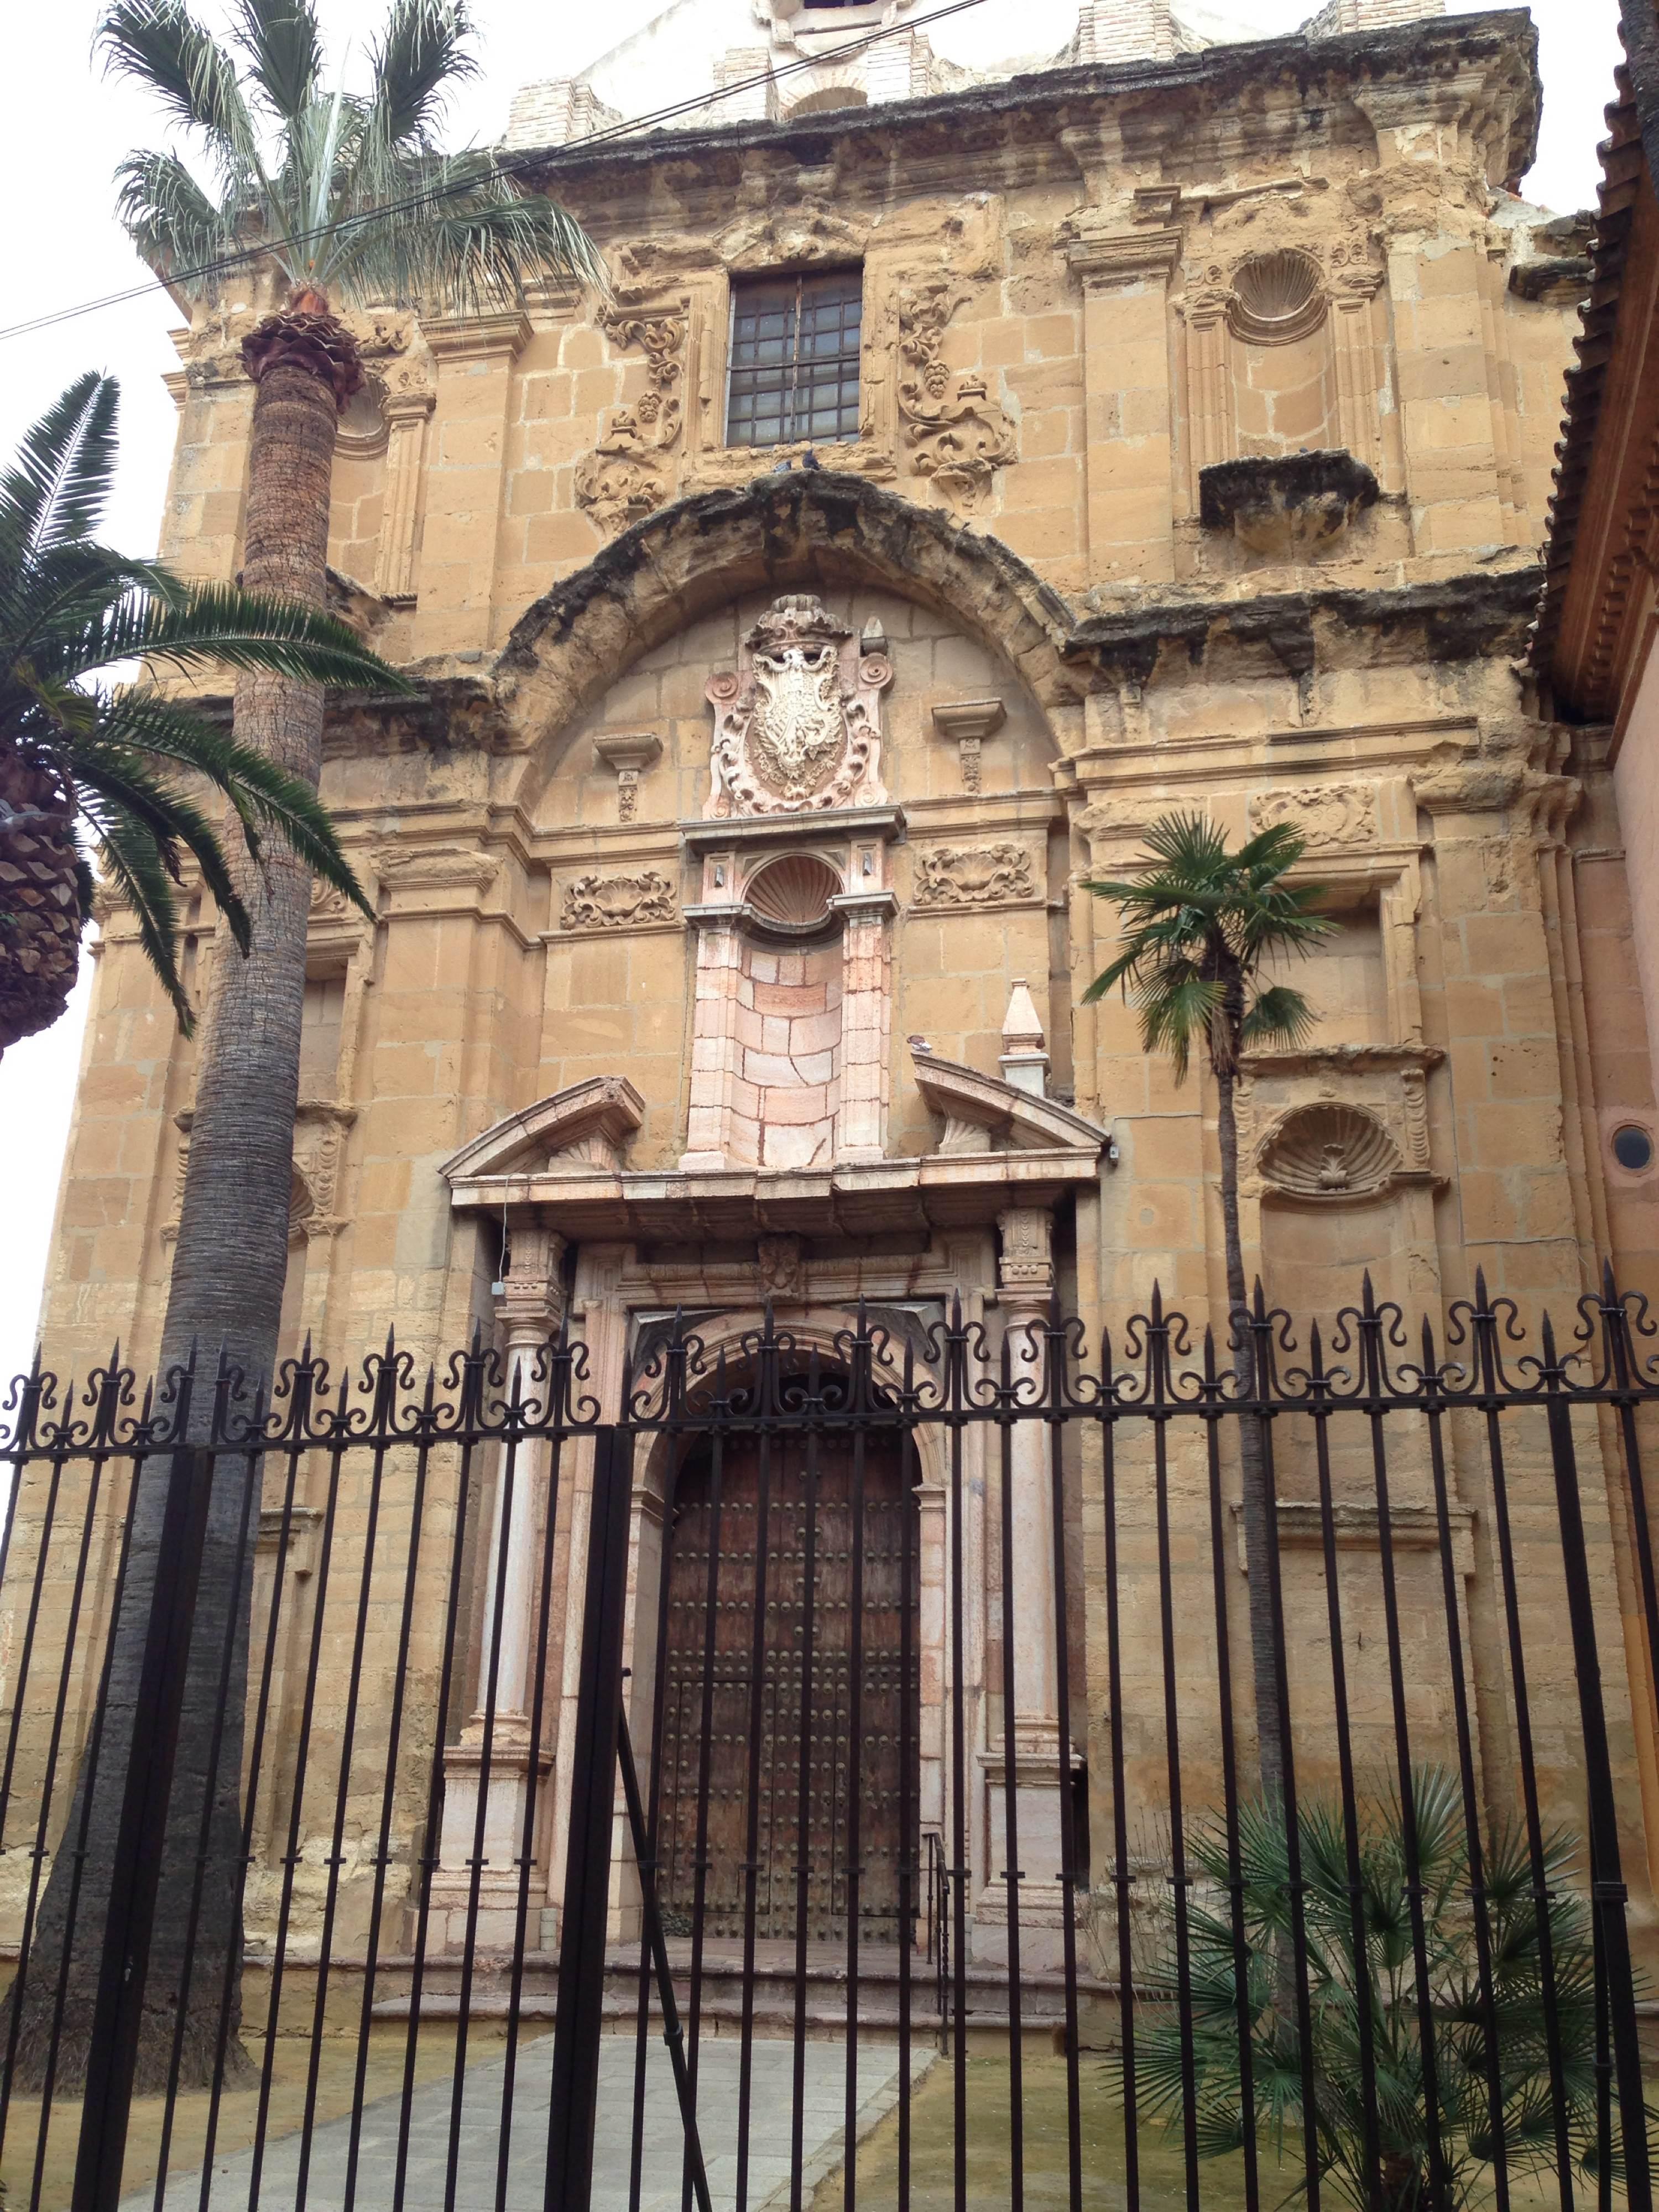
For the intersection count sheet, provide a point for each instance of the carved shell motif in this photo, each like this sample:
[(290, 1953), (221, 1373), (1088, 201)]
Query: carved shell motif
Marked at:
[(1329, 1152), (1277, 296), (793, 893)]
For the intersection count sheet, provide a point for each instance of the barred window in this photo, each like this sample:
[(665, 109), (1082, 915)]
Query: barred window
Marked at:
[(794, 370)]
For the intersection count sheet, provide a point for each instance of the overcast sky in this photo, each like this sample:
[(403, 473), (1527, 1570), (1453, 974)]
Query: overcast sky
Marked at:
[(66, 128)]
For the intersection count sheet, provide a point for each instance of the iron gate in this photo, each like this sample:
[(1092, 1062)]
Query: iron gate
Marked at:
[(832, 1771)]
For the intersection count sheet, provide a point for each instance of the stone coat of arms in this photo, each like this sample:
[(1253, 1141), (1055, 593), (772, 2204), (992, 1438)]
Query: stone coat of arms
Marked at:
[(797, 726)]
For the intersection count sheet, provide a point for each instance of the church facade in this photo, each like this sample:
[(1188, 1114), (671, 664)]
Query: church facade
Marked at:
[(967, 469)]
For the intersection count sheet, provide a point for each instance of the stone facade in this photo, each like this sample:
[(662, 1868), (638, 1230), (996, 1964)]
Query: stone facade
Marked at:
[(724, 999)]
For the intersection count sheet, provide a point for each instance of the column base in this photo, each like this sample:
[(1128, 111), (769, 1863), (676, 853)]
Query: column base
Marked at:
[(514, 1772), (1035, 1773)]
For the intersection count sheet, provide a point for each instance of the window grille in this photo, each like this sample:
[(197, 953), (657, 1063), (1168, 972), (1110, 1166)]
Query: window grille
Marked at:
[(794, 370)]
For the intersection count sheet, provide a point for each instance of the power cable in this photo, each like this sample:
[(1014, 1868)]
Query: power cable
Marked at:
[(502, 170)]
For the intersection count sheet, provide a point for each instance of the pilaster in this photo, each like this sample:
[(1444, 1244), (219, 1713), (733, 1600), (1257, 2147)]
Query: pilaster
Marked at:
[(465, 478), (1128, 416), (407, 414)]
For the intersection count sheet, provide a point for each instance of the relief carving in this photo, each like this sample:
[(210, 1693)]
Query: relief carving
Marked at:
[(973, 875), (796, 727), (779, 1270), (625, 477), (598, 902), (957, 434), (1327, 815), (1329, 1151)]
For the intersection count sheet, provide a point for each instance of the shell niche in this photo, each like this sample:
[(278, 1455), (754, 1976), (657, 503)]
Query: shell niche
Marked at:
[(1330, 1151)]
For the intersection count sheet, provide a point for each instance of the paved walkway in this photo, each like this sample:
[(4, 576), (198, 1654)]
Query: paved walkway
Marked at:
[(771, 2105)]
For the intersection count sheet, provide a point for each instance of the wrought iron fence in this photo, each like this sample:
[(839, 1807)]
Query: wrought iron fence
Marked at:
[(913, 1760)]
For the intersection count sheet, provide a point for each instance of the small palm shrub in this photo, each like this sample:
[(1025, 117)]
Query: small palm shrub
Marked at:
[(1377, 1979)]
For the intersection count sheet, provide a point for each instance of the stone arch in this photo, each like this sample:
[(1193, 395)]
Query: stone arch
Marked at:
[(814, 528)]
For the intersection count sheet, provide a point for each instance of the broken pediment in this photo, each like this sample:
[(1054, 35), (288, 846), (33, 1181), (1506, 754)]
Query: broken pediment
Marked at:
[(576, 1131), (983, 1114)]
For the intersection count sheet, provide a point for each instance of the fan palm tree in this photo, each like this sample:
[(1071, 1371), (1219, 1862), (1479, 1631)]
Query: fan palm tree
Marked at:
[(339, 198), (1200, 927), (1362, 1965), (78, 751)]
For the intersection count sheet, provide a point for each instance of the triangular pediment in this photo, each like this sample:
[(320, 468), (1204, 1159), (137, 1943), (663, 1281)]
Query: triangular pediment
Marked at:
[(581, 1128), (981, 1112)]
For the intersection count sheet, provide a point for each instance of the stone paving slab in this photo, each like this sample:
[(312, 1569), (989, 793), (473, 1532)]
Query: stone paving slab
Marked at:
[(771, 2105)]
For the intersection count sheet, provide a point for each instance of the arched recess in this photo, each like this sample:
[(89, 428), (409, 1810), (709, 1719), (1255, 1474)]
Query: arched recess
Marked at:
[(811, 529)]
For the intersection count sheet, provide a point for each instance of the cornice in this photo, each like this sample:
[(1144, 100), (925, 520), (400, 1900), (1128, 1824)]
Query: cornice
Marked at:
[(1493, 53)]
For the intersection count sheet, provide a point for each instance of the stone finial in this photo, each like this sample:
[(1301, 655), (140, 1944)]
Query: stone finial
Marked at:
[(1023, 1063)]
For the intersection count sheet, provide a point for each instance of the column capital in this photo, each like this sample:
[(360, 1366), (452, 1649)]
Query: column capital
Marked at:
[(530, 1302), (1025, 1269), (1103, 258), (477, 337)]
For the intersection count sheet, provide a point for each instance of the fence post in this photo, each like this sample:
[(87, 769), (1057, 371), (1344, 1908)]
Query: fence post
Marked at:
[(117, 2010), (1606, 1877), (579, 2020)]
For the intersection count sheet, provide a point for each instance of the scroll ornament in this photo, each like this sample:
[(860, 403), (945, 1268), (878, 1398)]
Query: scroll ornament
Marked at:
[(625, 479), (955, 434), (598, 902), (973, 875)]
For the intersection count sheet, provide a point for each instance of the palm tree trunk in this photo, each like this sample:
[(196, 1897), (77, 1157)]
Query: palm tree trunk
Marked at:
[(226, 1297), (40, 916), (1258, 1535)]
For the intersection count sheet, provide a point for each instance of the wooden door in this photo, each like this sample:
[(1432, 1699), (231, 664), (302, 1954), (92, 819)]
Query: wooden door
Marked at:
[(716, 1709)]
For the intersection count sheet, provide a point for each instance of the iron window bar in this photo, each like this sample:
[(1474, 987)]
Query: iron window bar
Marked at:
[(793, 359)]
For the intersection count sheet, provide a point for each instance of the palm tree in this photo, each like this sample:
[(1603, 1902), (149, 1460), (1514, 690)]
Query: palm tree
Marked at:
[(1199, 928), (342, 198), (1363, 1970), (78, 750)]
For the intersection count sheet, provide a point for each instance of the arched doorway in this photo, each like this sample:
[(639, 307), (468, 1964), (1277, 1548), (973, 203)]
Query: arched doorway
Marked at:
[(818, 1536)]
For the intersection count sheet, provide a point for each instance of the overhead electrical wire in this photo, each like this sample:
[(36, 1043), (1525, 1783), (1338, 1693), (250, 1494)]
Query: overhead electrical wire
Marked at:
[(522, 166)]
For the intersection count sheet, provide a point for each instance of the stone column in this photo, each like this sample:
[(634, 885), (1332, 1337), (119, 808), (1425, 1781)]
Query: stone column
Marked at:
[(712, 1120), (406, 414), (495, 1751), (1359, 380), (867, 1014), (1125, 277), (475, 354), (1028, 1755)]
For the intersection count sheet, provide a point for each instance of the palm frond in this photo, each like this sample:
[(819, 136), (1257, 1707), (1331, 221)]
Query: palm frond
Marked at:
[(116, 785), (265, 795), (1278, 1016), (133, 865), (174, 224), (159, 44), (424, 52), (470, 240), (281, 41), (1176, 1012), (215, 623), (57, 487)]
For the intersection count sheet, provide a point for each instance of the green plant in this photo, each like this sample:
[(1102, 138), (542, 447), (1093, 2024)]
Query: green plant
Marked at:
[(122, 762), (1376, 1981)]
